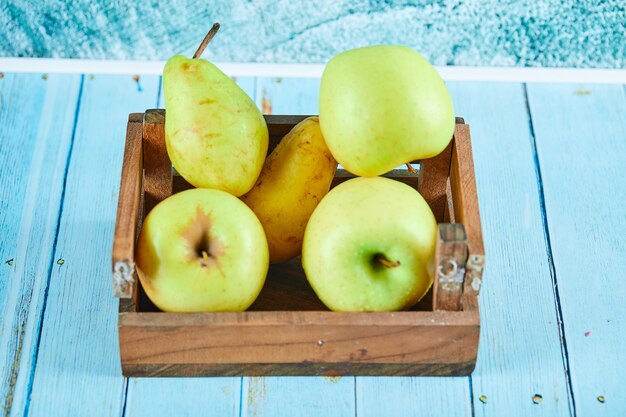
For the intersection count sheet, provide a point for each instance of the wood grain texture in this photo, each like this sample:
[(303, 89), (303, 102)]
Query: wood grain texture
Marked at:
[(520, 351), (581, 151), (463, 187), (449, 274), (410, 397), (434, 173), (77, 370), (462, 182), (170, 397), (419, 338), (157, 181), (36, 123), (185, 370), (298, 396), (127, 218), (276, 95)]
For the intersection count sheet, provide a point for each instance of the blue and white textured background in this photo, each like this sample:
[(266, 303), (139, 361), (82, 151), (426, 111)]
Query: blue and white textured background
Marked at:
[(549, 33)]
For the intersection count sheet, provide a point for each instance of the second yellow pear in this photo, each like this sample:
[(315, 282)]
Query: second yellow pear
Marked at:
[(295, 177)]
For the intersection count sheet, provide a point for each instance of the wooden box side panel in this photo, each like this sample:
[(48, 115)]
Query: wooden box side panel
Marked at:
[(128, 211), (302, 343), (464, 197), (298, 369)]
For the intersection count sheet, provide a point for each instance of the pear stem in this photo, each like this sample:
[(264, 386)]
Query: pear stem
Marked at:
[(206, 40), (381, 259), (410, 168)]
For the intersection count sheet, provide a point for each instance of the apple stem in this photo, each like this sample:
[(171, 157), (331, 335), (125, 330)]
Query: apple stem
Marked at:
[(386, 262), (410, 168), (205, 258), (206, 40)]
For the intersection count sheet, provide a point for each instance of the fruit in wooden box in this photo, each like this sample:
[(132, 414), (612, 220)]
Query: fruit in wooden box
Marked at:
[(296, 175), (383, 106), (216, 136), (368, 246), (202, 250)]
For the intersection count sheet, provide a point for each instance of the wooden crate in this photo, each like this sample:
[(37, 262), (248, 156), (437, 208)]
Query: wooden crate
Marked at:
[(288, 331)]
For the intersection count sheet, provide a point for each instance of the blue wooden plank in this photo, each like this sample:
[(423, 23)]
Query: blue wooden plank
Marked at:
[(77, 366), (581, 145), (298, 396), (196, 396), (21, 101), (275, 95), (412, 396), (520, 353), (183, 397), (37, 119)]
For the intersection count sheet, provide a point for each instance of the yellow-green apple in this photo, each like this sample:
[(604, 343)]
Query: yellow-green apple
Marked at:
[(383, 106), (202, 250), (368, 246), (216, 136)]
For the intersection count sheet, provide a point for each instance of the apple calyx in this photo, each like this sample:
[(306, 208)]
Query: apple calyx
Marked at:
[(206, 40), (204, 262), (203, 251), (382, 259)]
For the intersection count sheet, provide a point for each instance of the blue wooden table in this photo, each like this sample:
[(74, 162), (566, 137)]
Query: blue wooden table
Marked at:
[(550, 163)]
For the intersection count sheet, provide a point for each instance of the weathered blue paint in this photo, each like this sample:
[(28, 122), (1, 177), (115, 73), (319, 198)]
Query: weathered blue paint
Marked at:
[(298, 396), (275, 95), (77, 370), (520, 352), (580, 133), (37, 119), (573, 178), (413, 396)]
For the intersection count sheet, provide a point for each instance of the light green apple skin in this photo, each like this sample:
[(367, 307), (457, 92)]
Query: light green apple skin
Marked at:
[(383, 106), (178, 277), (216, 137), (356, 221)]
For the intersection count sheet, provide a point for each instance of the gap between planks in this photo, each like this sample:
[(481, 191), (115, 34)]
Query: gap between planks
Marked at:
[(548, 243)]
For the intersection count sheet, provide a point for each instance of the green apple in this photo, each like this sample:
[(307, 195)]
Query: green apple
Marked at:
[(383, 106), (216, 136), (202, 250), (368, 246)]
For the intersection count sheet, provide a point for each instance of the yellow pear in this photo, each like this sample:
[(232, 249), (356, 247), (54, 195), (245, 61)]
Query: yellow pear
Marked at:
[(295, 177), (215, 135)]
